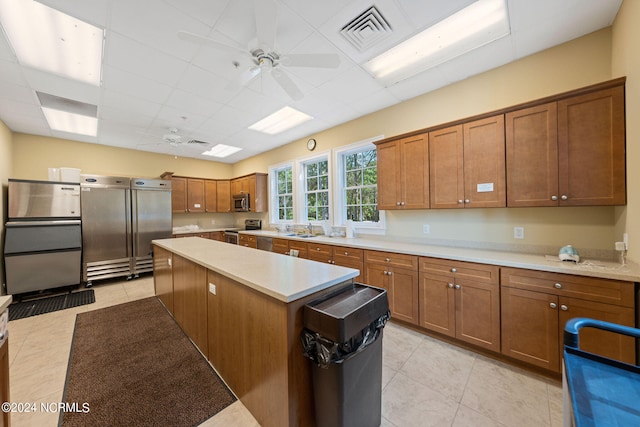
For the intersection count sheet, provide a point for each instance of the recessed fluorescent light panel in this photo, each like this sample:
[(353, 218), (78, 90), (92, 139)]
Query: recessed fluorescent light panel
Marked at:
[(470, 28), (221, 150), (283, 119), (52, 41), (71, 122)]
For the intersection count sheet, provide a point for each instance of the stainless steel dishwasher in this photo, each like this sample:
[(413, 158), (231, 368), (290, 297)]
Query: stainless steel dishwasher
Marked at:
[(265, 243)]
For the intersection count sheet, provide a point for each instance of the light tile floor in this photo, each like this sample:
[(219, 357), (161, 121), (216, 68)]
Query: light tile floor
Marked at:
[(425, 382)]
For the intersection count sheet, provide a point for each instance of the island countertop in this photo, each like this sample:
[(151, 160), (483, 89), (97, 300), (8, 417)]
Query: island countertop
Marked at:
[(282, 277)]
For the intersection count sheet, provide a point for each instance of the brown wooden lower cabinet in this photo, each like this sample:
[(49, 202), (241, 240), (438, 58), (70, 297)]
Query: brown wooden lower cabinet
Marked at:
[(536, 305), (190, 300), (163, 276), (248, 240), (338, 255), (280, 246), (381, 270), (461, 300)]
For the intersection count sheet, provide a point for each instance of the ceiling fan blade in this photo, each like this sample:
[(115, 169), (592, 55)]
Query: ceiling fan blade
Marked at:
[(226, 45), (314, 60), (244, 78), (266, 21), (287, 84)]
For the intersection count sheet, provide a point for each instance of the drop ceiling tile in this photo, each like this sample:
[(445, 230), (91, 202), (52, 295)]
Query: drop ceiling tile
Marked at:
[(117, 80), (129, 55), (159, 28), (354, 83), (425, 13), (422, 83), (94, 12), (206, 11), (60, 86), (200, 82), (170, 116), (190, 104), (128, 105)]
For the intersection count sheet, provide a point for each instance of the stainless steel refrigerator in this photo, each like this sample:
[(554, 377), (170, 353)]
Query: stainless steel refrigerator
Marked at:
[(120, 217), (43, 243)]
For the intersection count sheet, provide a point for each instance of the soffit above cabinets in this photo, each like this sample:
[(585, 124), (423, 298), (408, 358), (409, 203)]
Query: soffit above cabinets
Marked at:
[(153, 81)]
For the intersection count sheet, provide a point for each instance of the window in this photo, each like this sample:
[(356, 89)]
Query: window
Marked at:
[(316, 190), (356, 178), (361, 186), (282, 193)]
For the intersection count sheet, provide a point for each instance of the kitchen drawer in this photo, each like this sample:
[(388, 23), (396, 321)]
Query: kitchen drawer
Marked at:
[(319, 252), (392, 259), (344, 254), (481, 273), (280, 246), (248, 240), (587, 288), (301, 247)]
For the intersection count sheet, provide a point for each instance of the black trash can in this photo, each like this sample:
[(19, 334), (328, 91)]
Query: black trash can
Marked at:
[(343, 337)]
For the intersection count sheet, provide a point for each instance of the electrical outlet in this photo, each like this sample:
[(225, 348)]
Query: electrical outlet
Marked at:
[(518, 232), (426, 229), (625, 239), (213, 221), (212, 288)]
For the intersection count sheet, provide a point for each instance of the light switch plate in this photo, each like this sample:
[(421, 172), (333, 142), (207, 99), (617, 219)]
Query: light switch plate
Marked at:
[(212, 288), (518, 232)]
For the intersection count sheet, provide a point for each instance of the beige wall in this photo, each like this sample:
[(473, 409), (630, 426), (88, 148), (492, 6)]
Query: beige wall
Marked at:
[(575, 64), (6, 169), (33, 155), (626, 61)]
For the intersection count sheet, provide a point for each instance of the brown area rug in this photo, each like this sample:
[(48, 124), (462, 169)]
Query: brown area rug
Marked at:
[(134, 366)]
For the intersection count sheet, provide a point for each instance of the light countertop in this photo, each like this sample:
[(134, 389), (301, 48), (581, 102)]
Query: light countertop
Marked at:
[(591, 268), (282, 277), (5, 300)]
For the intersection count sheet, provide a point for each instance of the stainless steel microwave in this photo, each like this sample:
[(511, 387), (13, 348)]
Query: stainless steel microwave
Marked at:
[(241, 202)]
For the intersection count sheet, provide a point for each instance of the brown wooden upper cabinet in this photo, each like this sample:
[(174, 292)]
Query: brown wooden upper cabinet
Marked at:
[(467, 166), (187, 195), (223, 195), (570, 152), (403, 173), (256, 186)]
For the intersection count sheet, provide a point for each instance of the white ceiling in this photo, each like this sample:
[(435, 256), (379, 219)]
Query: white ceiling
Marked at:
[(153, 81)]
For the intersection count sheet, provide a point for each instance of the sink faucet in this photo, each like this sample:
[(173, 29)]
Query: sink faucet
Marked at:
[(309, 228)]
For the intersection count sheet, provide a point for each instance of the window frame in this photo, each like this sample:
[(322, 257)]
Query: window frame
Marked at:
[(300, 214), (273, 192), (339, 213)]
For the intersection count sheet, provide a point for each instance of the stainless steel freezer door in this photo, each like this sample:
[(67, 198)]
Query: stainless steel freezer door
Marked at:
[(151, 219), (106, 224), (42, 270)]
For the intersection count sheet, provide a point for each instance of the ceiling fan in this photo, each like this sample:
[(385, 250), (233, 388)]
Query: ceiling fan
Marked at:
[(265, 59), (175, 139)]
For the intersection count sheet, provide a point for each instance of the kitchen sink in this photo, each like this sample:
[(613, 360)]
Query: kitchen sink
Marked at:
[(304, 236)]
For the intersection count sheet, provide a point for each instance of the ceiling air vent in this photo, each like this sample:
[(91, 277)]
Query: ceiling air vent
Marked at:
[(366, 30)]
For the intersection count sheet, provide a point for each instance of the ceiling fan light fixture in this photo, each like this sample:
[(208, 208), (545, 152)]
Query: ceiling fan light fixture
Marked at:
[(280, 121), (221, 150), (52, 41), (478, 24)]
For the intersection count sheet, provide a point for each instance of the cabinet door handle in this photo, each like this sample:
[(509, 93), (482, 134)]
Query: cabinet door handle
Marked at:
[(387, 259), (401, 203), (450, 285), (467, 201), (564, 197), (460, 201), (554, 197), (385, 272), (346, 253), (457, 286), (552, 305), (564, 307), (453, 270), (397, 203), (390, 273), (558, 286)]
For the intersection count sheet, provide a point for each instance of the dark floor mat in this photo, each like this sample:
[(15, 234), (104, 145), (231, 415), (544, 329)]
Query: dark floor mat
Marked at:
[(20, 310)]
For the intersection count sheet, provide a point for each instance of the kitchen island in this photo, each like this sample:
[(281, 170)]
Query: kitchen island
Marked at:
[(243, 309)]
